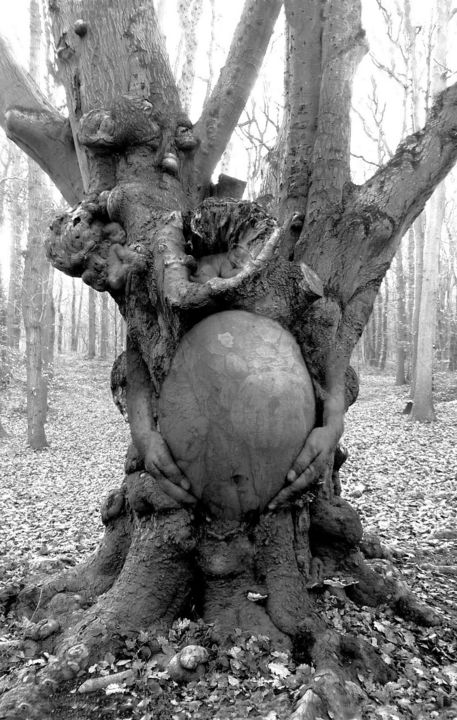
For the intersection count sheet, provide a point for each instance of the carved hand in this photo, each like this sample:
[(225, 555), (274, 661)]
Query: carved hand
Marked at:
[(309, 465), (160, 464)]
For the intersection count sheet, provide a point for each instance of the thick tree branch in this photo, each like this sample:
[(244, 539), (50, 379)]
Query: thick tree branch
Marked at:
[(132, 45), (419, 164), (343, 45), (36, 127), (226, 103), (135, 64), (303, 79), (362, 241)]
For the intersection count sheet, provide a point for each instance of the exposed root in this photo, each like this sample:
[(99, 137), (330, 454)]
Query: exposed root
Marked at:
[(329, 695), (378, 583), (151, 589), (227, 605), (288, 601), (335, 537), (256, 576), (232, 595), (334, 690), (55, 596)]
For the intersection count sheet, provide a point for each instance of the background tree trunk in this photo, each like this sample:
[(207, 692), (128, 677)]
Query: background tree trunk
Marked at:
[(104, 319), (49, 328), (17, 221), (4, 360), (423, 410), (401, 321), (419, 238), (35, 281), (60, 318), (92, 324)]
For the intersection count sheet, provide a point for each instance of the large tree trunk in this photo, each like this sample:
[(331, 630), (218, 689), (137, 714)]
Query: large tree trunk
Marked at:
[(239, 334)]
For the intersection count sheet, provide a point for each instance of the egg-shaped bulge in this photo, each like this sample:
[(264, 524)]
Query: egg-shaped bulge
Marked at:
[(235, 410)]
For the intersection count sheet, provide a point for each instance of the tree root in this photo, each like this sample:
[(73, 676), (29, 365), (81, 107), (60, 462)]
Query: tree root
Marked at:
[(151, 589), (335, 690), (257, 576), (234, 595), (277, 536), (379, 583), (328, 696), (81, 585)]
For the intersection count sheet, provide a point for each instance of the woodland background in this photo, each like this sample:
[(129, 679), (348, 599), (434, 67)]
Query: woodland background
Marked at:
[(405, 489)]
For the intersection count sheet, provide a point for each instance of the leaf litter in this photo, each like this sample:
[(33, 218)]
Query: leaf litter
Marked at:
[(401, 476)]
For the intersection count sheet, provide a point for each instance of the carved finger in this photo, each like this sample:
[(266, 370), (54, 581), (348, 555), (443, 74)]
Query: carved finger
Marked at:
[(176, 492), (171, 472), (292, 491), (302, 463)]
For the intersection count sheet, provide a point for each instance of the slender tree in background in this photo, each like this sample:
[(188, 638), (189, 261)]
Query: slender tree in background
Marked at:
[(452, 304), (49, 325), (221, 303), (104, 327), (4, 363), (422, 409), (36, 278), (91, 311), (17, 216), (4, 355), (74, 341), (418, 93), (4, 359), (401, 324), (59, 316)]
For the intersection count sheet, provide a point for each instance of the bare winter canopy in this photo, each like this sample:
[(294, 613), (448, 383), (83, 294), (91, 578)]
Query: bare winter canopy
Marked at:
[(240, 325)]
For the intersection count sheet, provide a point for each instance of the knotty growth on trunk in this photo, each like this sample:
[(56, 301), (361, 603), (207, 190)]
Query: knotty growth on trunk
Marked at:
[(182, 257)]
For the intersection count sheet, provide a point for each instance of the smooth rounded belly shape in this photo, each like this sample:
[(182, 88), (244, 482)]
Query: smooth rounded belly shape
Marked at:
[(235, 410)]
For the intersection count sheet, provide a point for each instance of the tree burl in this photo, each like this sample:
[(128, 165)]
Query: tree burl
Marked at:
[(235, 410)]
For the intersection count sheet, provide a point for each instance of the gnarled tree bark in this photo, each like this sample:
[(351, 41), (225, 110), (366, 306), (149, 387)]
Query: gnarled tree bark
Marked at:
[(181, 261)]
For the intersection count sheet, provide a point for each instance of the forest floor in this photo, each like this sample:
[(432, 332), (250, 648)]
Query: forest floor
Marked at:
[(402, 477)]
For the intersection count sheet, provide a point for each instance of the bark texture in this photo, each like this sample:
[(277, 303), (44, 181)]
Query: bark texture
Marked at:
[(178, 255)]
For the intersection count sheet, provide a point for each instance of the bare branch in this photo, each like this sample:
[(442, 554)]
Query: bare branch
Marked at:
[(365, 160), (36, 126), (225, 105), (390, 72), (419, 164)]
